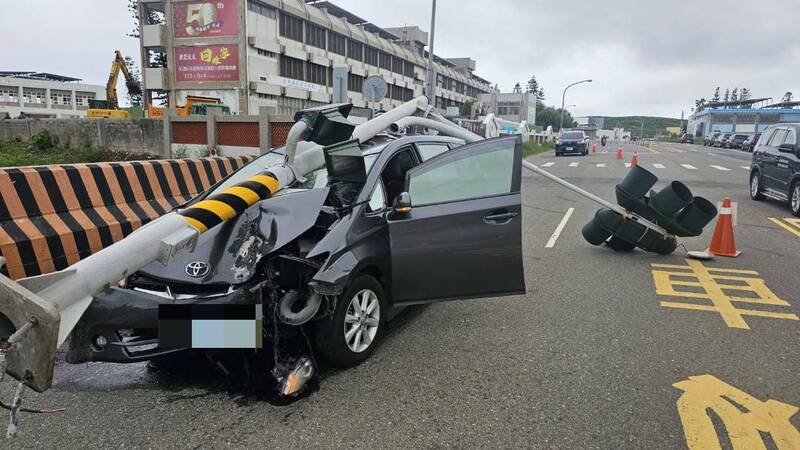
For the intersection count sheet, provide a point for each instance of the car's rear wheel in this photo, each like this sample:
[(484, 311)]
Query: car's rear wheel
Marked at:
[(755, 187), (794, 199), (351, 335)]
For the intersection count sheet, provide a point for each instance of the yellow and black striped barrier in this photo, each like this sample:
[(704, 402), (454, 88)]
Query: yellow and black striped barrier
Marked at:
[(231, 202)]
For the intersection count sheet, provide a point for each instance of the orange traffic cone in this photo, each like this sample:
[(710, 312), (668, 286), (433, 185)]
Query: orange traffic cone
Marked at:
[(723, 243), (619, 152), (635, 159), (594, 148)]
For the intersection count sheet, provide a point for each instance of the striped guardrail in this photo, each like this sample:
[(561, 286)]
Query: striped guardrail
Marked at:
[(53, 216)]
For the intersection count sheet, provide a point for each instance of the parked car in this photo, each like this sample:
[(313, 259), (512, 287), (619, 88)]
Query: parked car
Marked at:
[(363, 237), (750, 142), (687, 138), (709, 139), (572, 142), (775, 170), (736, 141), (721, 140)]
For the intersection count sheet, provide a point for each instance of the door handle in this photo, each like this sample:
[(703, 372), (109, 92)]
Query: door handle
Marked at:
[(499, 218)]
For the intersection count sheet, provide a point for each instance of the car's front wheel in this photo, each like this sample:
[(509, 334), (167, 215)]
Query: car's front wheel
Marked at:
[(351, 334), (794, 199), (755, 187)]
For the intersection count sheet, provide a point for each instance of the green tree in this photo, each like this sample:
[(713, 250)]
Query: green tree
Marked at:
[(787, 97), (550, 116), (517, 88), (534, 88), (715, 98), (727, 97), (465, 110), (134, 99), (735, 95)]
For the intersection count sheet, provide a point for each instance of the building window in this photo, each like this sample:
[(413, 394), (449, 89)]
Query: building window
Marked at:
[(386, 61), (315, 35), (401, 93), (371, 55), (507, 108), (337, 43), (262, 9), (397, 65), (266, 53), (316, 73), (355, 83), (292, 68), (10, 95), (408, 69), (355, 50), (291, 27)]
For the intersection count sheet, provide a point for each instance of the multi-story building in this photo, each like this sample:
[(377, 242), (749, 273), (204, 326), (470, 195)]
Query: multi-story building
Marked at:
[(45, 95), (281, 54), (734, 120), (514, 107)]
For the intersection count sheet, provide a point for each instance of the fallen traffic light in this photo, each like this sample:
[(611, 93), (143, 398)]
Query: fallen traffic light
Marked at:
[(673, 208)]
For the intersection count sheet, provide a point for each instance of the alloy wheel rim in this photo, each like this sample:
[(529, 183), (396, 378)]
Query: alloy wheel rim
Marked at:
[(796, 198), (754, 186), (361, 320)]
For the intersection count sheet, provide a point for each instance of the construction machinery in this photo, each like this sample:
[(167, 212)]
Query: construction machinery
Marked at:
[(109, 108), (195, 105)]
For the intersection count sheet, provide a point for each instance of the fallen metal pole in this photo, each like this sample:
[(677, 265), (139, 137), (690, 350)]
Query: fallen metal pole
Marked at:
[(616, 208)]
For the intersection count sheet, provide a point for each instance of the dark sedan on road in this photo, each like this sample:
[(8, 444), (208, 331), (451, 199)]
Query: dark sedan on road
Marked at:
[(572, 142), (750, 142), (395, 222), (775, 170), (736, 141)]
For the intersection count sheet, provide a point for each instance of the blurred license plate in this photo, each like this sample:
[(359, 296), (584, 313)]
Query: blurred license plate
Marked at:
[(569, 149)]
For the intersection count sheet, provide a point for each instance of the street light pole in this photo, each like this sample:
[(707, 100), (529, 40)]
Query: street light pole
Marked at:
[(564, 97), (431, 73)]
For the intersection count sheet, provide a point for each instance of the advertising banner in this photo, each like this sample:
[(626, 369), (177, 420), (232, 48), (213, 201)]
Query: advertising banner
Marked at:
[(194, 19), (207, 63)]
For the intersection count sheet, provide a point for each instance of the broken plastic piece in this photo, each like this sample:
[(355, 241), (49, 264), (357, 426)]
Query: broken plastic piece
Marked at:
[(298, 377)]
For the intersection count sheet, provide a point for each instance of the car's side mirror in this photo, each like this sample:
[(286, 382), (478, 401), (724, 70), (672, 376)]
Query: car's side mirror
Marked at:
[(402, 203), (787, 148)]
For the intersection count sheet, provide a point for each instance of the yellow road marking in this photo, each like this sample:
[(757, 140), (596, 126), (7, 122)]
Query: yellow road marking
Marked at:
[(744, 417), (792, 225), (715, 292)]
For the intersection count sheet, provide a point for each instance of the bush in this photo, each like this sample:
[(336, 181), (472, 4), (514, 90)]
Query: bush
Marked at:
[(41, 141)]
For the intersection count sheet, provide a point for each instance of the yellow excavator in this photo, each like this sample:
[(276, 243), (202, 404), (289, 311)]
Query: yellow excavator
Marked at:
[(109, 108)]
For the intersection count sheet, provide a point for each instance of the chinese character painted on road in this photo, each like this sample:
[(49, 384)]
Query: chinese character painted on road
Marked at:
[(719, 287), (744, 417)]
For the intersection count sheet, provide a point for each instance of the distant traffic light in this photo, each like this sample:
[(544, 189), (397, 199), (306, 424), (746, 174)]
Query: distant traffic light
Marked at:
[(674, 209)]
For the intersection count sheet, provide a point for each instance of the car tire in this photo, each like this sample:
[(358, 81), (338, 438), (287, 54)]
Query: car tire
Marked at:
[(330, 334), (794, 199), (755, 187)]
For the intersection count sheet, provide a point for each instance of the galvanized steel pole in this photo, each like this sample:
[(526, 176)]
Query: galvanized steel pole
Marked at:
[(431, 72)]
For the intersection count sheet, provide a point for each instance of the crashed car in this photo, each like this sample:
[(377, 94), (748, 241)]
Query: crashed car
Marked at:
[(391, 222)]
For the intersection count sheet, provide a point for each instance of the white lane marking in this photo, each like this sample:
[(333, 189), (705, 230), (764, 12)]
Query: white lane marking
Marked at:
[(745, 167), (688, 166), (552, 242), (658, 166), (628, 165), (548, 164), (724, 169), (601, 165), (574, 164)]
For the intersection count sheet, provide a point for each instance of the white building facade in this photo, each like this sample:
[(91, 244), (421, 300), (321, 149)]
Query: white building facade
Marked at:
[(280, 54), (44, 95)]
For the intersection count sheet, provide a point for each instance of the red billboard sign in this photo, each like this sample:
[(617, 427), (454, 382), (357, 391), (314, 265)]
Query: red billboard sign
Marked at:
[(194, 19), (207, 63)]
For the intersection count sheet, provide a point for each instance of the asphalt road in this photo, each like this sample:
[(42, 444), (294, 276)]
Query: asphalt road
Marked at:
[(587, 359)]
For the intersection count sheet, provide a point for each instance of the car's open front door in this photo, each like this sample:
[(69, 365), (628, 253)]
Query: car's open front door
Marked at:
[(462, 237)]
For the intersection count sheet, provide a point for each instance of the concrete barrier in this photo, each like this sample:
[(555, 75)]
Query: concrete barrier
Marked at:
[(53, 216)]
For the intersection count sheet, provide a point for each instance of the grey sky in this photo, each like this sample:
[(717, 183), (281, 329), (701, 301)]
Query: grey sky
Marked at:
[(646, 57)]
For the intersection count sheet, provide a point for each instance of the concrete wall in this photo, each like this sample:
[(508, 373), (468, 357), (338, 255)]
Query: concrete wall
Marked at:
[(135, 136)]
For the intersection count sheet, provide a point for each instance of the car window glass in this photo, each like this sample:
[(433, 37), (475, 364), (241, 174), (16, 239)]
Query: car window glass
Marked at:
[(766, 137), (429, 150), (377, 201), (791, 138), (777, 138), (316, 179), (369, 160), (483, 171)]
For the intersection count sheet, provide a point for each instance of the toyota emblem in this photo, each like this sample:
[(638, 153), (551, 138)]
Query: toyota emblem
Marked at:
[(197, 269)]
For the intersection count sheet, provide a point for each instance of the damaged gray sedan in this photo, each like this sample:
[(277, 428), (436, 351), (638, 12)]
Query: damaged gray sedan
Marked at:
[(390, 222)]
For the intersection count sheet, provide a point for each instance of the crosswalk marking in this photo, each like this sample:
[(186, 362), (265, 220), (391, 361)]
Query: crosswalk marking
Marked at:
[(549, 164), (573, 164), (688, 166), (658, 166), (724, 169), (745, 167), (601, 165)]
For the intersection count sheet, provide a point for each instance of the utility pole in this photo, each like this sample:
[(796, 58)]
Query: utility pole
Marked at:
[(431, 72)]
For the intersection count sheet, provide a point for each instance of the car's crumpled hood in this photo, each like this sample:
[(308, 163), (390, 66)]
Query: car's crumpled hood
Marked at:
[(233, 248)]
